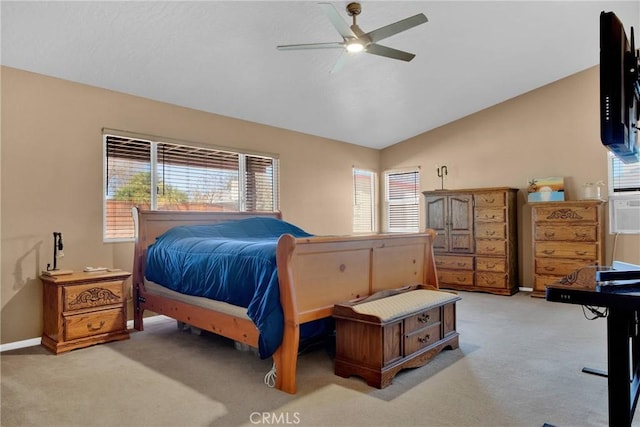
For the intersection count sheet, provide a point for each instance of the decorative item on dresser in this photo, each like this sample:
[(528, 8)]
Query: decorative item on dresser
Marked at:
[(476, 245), (83, 309), (566, 236)]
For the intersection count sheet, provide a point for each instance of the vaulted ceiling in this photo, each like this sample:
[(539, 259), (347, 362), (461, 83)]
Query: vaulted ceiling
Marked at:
[(221, 57)]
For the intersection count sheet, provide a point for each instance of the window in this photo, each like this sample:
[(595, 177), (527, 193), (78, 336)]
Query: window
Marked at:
[(402, 189), (363, 201), (623, 177), (185, 177)]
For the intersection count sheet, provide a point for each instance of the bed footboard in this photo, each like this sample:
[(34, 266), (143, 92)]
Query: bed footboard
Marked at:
[(318, 272)]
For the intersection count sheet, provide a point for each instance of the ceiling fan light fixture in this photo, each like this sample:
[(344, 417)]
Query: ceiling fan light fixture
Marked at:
[(354, 47)]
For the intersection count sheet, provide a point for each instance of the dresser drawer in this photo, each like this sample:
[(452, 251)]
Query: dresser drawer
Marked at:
[(490, 214), (491, 280), (498, 265), (562, 267), (541, 281), (586, 251), (454, 262), (422, 319), (455, 277), (490, 230), (575, 233), (565, 215), (92, 295), (491, 247), (94, 323), (421, 338), (489, 199)]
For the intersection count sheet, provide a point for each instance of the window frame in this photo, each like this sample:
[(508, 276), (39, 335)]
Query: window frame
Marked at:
[(243, 158)]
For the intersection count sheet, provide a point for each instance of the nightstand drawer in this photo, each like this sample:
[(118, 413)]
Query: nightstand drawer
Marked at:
[(94, 323), (93, 295)]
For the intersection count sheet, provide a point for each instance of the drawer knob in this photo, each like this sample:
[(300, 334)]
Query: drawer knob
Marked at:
[(462, 279), (492, 265), (423, 318), (489, 200), (581, 252), (490, 233), (424, 339), (548, 251), (549, 234), (549, 268), (97, 328)]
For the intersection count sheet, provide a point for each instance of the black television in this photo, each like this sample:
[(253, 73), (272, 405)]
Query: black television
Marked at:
[(619, 89)]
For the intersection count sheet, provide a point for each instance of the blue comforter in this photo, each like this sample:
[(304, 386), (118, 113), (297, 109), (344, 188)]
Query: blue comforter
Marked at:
[(234, 262)]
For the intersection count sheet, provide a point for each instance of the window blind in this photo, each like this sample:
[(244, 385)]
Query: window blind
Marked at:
[(625, 177), (363, 201), (402, 201), (185, 177)]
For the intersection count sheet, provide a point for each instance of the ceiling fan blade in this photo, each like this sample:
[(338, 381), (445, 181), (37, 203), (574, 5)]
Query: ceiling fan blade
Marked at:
[(340, 63), (397, 27), (330, 45), (340, 24), (389, 52)]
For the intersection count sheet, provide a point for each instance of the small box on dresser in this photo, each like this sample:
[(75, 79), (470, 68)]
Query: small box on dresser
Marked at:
[(566, 236), (83, 309)]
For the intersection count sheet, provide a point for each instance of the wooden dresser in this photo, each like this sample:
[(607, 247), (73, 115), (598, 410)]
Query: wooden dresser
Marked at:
[(83, 309), (476, 248), (566, 236)]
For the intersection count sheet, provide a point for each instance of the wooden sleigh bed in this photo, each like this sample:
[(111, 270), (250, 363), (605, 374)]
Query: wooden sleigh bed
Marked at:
[(314, 273)]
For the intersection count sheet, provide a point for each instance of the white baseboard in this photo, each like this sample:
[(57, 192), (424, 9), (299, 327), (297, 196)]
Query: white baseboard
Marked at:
[(20, 344), (36, 341), (523, 289)]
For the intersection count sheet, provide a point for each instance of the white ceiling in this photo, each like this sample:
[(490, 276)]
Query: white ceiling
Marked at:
[(221, 57)]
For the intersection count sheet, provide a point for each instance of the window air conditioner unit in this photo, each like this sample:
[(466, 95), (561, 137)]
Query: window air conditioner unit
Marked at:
[(624, 214)]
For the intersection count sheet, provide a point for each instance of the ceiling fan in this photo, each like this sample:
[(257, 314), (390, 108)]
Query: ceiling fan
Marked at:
[(355, 40)]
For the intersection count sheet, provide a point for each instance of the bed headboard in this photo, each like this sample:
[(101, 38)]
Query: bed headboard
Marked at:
[(148, 225)]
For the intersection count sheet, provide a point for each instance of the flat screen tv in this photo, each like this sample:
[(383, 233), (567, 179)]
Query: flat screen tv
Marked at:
[(619, 89)]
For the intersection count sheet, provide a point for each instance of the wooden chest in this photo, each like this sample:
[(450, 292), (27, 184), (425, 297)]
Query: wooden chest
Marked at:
[(83, 309), (378, 336)]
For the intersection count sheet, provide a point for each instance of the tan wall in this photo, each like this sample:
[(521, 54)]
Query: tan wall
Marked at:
[(552, 131), (51, 169), (51, 176)]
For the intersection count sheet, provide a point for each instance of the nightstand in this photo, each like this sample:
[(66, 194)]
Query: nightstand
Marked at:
[(83, 309)]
